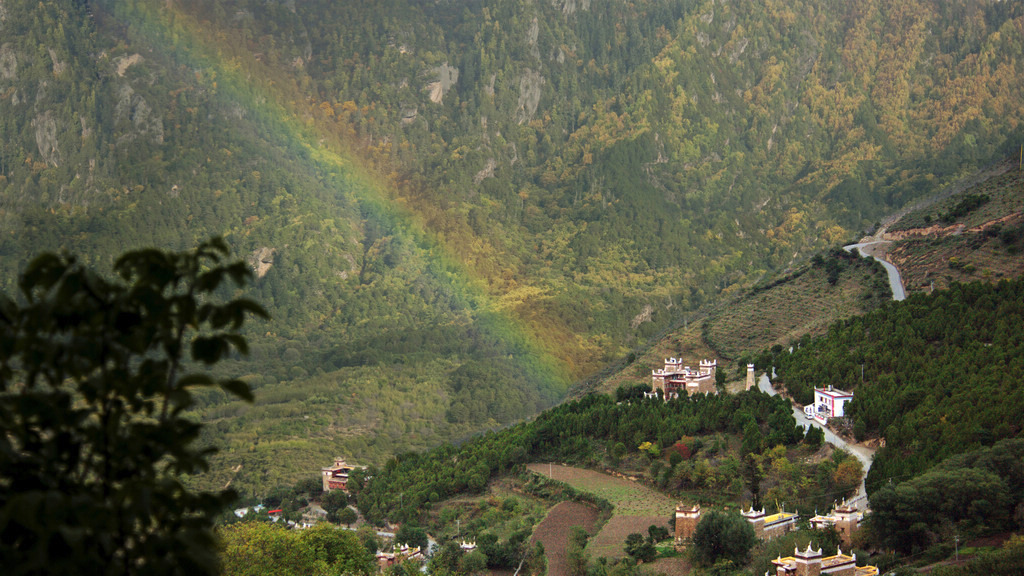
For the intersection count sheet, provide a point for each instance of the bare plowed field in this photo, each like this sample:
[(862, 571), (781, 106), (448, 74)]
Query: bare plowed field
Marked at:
[(553, 531), (636, 505)]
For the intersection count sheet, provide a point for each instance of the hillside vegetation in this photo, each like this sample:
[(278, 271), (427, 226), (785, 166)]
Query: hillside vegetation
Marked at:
[(457, 210), (777, 312), (806, 302)]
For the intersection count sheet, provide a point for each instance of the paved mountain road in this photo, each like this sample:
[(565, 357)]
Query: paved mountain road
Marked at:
[(862, 453), (895, 282)]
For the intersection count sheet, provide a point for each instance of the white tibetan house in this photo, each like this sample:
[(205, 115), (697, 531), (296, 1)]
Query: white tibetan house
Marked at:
[(830, 402)]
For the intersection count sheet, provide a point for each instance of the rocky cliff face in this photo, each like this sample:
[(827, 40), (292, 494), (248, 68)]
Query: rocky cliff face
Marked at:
[(45, 126), (530, 85), (137, 119)]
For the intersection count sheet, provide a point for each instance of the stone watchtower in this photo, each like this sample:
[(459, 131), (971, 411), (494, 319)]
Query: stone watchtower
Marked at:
[(687, 518), (768, 526), (756, 519), (847, 522), (750, 376)]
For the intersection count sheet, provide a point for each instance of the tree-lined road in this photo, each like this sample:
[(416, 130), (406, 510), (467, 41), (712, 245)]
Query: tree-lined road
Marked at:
[(862, 453)]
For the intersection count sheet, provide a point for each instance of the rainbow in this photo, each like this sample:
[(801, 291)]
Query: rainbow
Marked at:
[(297, 123)]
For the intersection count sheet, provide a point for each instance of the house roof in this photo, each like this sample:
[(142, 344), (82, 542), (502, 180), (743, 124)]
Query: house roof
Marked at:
[(779, 517), (833, 392)]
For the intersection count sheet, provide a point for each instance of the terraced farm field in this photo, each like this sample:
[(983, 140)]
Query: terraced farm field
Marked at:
[(933, 263), (1001, 183), (805, 304), (983, 244), (636, 506)]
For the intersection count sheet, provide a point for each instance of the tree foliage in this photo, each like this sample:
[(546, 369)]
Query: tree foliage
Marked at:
[(941, 374), (592, 161), (96, 375), (574, 432), (966, 495), (412, 535), (264, 549), (722, 536), (639, 548)]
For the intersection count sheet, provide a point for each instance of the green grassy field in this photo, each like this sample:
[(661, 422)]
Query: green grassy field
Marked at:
[(629, 498)]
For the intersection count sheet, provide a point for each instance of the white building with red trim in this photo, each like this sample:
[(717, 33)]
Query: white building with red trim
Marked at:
[(830, 402)]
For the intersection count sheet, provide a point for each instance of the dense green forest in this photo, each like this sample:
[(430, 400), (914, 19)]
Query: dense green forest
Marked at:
[(456, 211), (941, 374), (968, 495)]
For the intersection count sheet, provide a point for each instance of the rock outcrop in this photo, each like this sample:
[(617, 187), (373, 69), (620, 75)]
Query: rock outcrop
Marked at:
[(446, 76), (45, 127), (261, 260), (142, 122), (8, 63), (123, 63), (569, 7)]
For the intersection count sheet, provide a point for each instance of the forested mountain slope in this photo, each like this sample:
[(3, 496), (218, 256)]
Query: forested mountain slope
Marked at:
[(458, 208), (941, 374)]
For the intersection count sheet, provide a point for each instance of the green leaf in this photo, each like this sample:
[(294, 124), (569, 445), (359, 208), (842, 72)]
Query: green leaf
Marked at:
[(238, 388), (209, 349)]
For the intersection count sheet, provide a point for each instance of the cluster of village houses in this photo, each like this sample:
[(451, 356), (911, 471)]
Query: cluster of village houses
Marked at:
[(669, 383), (335, 477), (676, 379), (846, 519)]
